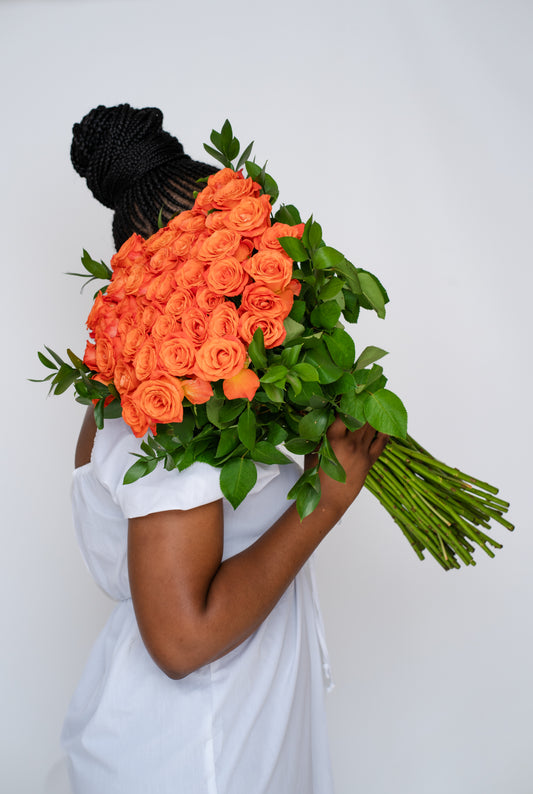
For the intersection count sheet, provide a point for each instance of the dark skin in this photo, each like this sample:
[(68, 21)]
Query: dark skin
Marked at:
[(191, 607)]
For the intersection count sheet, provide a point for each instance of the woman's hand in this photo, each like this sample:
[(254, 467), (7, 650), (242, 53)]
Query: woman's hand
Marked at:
[(356, 451)]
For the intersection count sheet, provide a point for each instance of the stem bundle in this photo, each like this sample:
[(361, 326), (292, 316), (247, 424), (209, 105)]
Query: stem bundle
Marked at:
[(438, 508)]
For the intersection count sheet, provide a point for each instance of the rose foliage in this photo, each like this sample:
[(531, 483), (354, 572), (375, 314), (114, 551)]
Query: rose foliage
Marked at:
[(221, 338)]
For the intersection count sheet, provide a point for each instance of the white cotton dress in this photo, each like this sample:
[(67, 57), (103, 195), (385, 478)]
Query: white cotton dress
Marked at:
[(252, 722)]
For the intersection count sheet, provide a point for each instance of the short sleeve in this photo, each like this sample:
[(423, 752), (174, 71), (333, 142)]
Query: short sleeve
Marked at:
[(161, 489)]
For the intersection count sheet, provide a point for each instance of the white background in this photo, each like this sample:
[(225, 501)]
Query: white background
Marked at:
[(406, 128)]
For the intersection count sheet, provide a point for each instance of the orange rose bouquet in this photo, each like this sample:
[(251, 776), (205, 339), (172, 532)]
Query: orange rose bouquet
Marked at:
[(219, 339)]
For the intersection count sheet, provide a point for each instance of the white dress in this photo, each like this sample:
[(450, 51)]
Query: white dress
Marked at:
[(252, 722)]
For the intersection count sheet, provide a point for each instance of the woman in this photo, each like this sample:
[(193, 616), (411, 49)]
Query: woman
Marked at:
[(208, 676)]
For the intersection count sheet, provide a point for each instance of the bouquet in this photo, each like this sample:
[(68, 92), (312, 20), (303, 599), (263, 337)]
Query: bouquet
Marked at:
[(219, 339)]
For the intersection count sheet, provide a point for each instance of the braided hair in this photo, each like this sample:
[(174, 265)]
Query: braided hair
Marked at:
[(134, 167)]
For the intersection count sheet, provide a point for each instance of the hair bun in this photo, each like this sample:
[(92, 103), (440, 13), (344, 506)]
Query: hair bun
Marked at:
[(113, 147)]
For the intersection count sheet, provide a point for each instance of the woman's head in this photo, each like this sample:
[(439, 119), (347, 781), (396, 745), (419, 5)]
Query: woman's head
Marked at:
[(134, 167)]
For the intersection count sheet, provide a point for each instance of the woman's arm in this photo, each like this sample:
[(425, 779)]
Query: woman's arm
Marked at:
[(193, 608)]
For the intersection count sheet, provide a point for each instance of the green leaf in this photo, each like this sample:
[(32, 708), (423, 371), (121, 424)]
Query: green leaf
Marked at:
[(288, 214), (331, 289), (341, 347), (310, 390), (371, 290), (54, 356), (246, 428), (275, 374), (232, 409), (256, 350), (326, 315), (293, 329), (352, 306), (327, 258), (237, 478), (276, 434), (314, 424), (298, 310), (113, 410), (244, 156), (160, 221), (64, 379), (274, 393), (363, 378), (369, 355), (354, 405), (184, 430), (315, 235), (307, 500), (305, 371), (300, 446), (333, 469), (295, 383), (328, 371), (290, 355), (213, 406), (46, 361), (294, 248), (220, 157), (96, 269), (226, 134), (139, 469), (78, 363), (216, 139), (233, 149), (349, 272), (386, 413), (99, 413), (264, 452), (228, 441)]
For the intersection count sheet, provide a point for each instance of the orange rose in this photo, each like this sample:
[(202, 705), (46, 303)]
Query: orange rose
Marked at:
[(270, 267), (207, 300), (223, 177), (204, 200), (188, 221), (220, 357), (272, 327), (124, 378), (180, 300), (232, 192), (134, 417), (251, 216), (136, 283), (194, 325), (89, 357), (260, 300), (145, 362), (226, 276), (130, 252), (270, 238), (219, 244), (116, 289), (166, 325), (149, 314), (162, 260), (244, 384), (133, 341), (197, 391), (160, 400), (161, 287), (190, 274), (215, 221), (103, 317), (161, 239), (105, 357), (223, 320), (177, 355), (244, 250), (182, 244)]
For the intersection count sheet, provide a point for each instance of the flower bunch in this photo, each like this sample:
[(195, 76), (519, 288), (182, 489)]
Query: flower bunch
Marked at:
[(182, 307), (220, 339)]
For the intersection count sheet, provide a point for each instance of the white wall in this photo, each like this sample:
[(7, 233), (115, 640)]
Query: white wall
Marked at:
[(406, 128)]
